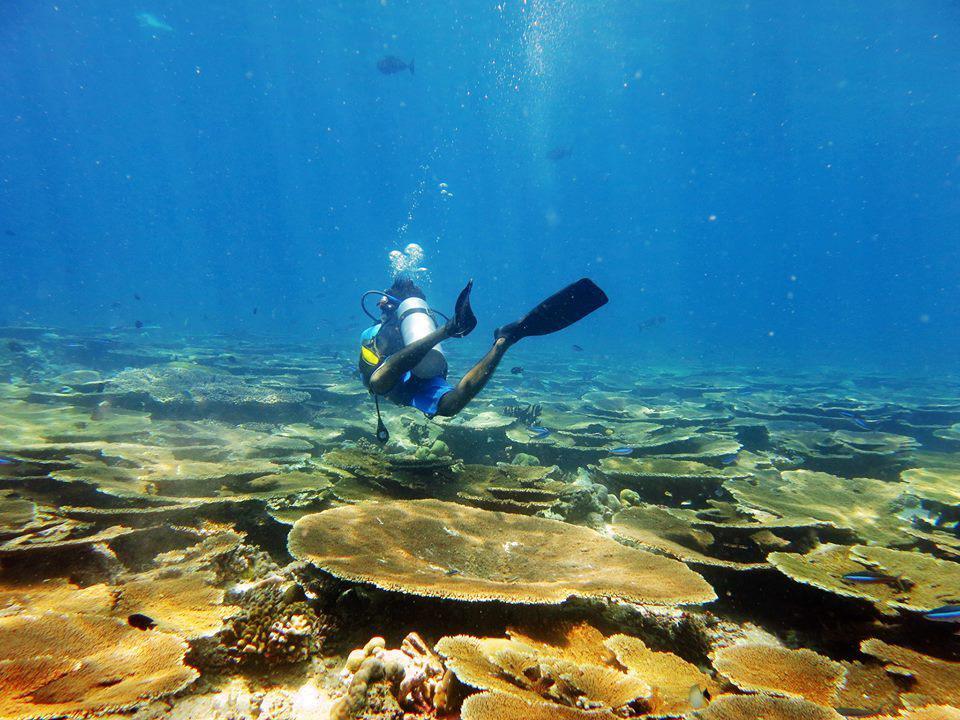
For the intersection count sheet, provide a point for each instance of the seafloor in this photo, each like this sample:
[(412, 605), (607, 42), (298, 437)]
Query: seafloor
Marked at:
[(203, 528)]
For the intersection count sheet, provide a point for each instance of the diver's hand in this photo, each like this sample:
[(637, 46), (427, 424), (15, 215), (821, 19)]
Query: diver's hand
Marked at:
[(463, 321)]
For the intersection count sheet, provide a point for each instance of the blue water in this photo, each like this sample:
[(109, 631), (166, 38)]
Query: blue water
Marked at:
[(778, 181)]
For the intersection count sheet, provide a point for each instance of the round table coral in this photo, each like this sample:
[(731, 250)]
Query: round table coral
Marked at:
[(441, 549)]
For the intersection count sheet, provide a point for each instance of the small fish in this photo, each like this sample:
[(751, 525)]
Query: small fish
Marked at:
[(621, 451), (138, 324), (391, 65), (577, 348), (872, 577), (855, 419), (14, 346), (136, 296), (511, 390), (651, 322), (114, 305), (560, 153), (141, 622), (255, 310), (698, 698), (452, 571), (9, 233), (729, 459), (517, 370), (7, 461), (537, 432), (149, 20), (944, 613)]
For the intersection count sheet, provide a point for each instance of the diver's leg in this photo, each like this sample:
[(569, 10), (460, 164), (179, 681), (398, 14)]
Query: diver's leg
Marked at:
[(473, 382), (385, 377)]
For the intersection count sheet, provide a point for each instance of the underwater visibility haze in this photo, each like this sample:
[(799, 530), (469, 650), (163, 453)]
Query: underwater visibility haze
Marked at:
[(505, 359)]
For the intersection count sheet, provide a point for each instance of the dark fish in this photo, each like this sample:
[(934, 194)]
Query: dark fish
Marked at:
[(621, 451), (577, 348), (9, 233), (652, 322), (391, 64), (516, 370), (538, 432), (560, 152), (138, 324), (7, 461), (136, 296), (729, 459), (944, 613), (872, 577), (14, 346), (451, 571), (141, 622), (114, 306), (255, 310)]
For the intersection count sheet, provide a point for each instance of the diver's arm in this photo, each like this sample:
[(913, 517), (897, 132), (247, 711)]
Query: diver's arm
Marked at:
[(388, 374)]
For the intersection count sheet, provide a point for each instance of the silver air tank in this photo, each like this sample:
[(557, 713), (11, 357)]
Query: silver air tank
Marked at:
[(416, 322)]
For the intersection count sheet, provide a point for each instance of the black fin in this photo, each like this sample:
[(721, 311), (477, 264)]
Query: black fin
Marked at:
[(411, 66), (464, 321), (557, 312)]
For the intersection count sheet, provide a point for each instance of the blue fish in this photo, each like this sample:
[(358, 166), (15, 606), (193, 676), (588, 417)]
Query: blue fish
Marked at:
[(855, 419), (621, 451), (7, 461), (944, 613), (512, 391), (729, 459), (537, 432), (868, 576), (872, 577)]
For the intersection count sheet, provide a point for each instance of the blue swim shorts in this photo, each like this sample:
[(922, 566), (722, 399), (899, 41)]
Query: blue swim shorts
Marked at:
[(422, 393)]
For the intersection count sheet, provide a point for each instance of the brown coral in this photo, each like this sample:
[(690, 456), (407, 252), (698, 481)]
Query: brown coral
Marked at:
[(54, 664), (932, 680), (767, 707), (511, 667), (768, 668), (926, 582), (500, 706), (658, 529), (440, 549), (670, 676)]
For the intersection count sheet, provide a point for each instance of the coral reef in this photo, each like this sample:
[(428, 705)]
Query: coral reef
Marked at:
[(54, 664), (376, 680), (274, 625), (438, 549), (165, 486)]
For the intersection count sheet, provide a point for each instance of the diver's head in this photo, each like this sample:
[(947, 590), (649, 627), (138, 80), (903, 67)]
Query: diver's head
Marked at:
[(402, 288)]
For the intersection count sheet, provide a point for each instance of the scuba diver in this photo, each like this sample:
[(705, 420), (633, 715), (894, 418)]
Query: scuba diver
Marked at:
[(401, 357)]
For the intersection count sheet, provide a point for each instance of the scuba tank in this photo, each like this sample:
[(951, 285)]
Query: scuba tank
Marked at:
[(416, 321)]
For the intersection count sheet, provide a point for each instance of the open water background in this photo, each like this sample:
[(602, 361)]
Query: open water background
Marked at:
[(778, 181)]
